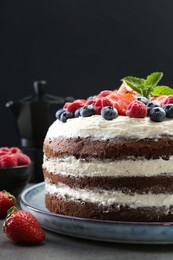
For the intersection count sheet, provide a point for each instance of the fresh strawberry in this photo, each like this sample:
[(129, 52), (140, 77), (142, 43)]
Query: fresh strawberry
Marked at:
[(121, 101), (164, 99), (23, 159), (100, 103), (8, 160), (136, 109), (160, 99), (104, 93), (78, 103), (6, 202), (124, 88), (22, 227), (168, 100)]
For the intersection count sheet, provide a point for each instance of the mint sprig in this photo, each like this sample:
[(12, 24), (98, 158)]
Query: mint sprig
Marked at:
[(161, 90), (144, 86)]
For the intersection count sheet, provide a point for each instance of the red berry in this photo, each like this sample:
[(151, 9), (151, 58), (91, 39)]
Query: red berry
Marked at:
[(23, 159), (90, 102), (22, 227), (168, 100), (136, 109), (121, 101), (2, 152), (4, 149), (6, 202), (100, 103), (67, 104), (8, 160), (72, 107), (104, 93), (14, 150)]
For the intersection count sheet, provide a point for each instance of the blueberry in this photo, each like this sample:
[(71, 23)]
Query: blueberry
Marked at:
[(169, 110), (59, 112), (152, 104), (65, 115), (109, 113), (157, 114), (143, 99), (87, 110), (77, 112)]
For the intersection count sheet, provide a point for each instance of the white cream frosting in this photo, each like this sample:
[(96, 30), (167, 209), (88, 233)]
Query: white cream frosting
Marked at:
[(70, 166), (107, 198), (99, 128)]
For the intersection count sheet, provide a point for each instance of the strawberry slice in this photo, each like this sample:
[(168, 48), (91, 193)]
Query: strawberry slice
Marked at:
[(121, 101)]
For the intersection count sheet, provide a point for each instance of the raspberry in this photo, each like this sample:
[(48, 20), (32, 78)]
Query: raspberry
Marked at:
[(23, 159), (2, 152), (71, 107), (67, 104), (100, 103), (8, 160), (4, 149), (136, 109), (104, 93), (14, 150)]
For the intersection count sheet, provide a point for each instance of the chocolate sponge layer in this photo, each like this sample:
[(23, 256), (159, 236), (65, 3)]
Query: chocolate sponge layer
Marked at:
[(115, 212), (113, 149), (128, 185)]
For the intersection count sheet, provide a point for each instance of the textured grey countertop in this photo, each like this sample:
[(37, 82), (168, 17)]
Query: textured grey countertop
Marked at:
[(67, 248)]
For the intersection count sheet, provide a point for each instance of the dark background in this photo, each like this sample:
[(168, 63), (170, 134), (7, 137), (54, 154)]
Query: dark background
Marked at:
[(79, 47)]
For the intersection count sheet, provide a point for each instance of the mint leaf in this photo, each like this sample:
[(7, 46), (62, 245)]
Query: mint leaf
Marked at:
[(144, 86), (153, 79), (161, 90), (133, 81)]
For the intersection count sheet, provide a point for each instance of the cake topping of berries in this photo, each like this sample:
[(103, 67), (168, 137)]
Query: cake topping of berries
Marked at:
[(136, 97)]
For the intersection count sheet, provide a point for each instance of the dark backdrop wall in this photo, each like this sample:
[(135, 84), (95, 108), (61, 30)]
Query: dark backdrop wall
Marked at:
[(79, 47)]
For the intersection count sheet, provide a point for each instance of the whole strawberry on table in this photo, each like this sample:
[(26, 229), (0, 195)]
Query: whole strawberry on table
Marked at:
[(7, 201), (23, 227)]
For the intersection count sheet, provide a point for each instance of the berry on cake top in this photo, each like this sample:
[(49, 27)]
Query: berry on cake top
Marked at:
[(136, 97)]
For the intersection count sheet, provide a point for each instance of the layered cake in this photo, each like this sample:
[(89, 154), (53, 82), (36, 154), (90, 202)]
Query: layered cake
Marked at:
[(111, 157)]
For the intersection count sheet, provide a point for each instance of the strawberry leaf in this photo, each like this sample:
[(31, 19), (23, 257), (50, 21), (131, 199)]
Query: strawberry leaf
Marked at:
[(161, 90)]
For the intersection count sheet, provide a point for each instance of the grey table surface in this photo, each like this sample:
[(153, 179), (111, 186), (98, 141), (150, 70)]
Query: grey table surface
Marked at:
[(57, 246)]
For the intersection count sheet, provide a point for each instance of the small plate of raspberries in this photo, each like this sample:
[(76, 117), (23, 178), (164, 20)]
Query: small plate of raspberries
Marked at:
[(15, 170)]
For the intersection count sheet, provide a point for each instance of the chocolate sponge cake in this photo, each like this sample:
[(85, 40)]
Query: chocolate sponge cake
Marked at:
[(108, 165)]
